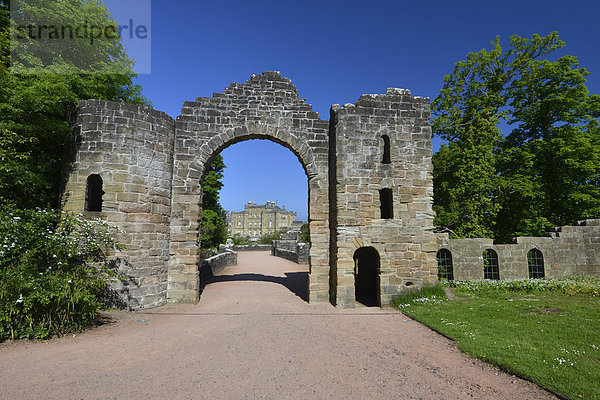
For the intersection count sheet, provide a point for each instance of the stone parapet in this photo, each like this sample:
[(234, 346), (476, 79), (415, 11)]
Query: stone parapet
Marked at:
[(567, 250)]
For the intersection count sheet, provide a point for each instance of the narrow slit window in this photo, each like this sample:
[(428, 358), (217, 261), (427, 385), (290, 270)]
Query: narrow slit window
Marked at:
[(386, 203), (535, 262), (386, 150), (490, 265), (93, 193)]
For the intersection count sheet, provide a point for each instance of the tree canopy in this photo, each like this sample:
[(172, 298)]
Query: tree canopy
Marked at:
[(39, 90), (543, 169)]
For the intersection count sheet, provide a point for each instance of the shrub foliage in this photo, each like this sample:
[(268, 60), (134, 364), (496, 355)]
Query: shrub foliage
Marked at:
[(53, 272)]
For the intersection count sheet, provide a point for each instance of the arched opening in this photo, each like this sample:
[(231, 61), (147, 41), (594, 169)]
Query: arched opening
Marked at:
[(264, 194), (535, 263), (93, 193), (490, 265), (386, 150), (386, 203), (445, 270), (366, 276)]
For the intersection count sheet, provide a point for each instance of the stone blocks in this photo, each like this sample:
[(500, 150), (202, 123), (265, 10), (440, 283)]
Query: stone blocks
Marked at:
[(361, 193), (568, 250)]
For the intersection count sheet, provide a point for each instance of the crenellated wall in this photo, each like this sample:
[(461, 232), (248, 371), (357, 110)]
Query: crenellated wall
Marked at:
[(568, 250)]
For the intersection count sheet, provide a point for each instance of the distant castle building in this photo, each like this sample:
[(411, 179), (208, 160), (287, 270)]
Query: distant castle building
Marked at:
[(258, 220)]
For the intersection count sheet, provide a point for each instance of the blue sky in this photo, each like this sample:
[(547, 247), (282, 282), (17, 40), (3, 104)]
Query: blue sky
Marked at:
[(334, 51)]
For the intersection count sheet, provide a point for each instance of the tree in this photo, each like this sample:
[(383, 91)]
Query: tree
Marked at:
[(543, 172), (213, 227), (551, 159), (304, 235), (268, 238), (39, 90), (467, 114)]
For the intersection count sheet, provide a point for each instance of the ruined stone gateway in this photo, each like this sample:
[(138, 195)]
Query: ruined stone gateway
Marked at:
[(369, 177)]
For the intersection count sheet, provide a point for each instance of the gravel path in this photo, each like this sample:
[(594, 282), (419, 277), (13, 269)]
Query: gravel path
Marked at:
[(252, 336)]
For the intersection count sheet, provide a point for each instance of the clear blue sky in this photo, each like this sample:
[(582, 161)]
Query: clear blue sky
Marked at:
[(334, 51)]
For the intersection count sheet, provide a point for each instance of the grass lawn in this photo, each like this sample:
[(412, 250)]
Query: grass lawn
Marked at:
[(547, 332)]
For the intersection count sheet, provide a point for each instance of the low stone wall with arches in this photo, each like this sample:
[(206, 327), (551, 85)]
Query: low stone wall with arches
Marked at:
[(567, 250)]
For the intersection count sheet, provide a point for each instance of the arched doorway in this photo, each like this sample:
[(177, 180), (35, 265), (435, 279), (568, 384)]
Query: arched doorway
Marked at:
[(366, 276)]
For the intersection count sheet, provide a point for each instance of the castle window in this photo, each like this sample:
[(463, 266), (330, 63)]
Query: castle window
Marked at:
[(386, 150), (535, 262), (386, 201), (93, 193), (444, 259), (490, 265)]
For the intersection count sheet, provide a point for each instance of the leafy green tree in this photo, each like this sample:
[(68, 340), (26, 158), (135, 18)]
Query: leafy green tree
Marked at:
[(213, 227), (53, 267), (39, 90), (545, 171), (304, 235), (551, 159), (467, 113)]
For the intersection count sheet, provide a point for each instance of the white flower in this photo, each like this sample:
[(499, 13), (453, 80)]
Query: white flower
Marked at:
[(20, 300)]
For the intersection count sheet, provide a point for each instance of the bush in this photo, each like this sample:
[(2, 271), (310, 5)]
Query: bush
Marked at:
[(240, 240), (569, 285), (269, 237), (53, 272)]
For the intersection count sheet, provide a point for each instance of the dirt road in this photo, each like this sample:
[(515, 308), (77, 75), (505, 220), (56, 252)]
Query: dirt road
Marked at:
[(252, 336)]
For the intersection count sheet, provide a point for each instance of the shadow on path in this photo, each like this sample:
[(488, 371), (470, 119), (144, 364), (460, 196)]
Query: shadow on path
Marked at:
[(295, 282)]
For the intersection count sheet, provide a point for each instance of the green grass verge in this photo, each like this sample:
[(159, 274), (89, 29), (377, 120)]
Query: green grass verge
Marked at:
[(547, 331)]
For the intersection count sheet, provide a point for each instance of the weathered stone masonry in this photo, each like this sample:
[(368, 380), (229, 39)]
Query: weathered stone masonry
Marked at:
[(131, 148), (568, 250), (404, 239), (368, 170)]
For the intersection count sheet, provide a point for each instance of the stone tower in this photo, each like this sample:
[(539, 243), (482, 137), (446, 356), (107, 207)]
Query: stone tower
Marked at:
[(382, 192)]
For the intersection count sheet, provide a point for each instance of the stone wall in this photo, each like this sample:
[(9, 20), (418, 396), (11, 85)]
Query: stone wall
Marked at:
[(404, 242), (131, 148), (213, 265), (291, 250), (217, 263), (568, 250)]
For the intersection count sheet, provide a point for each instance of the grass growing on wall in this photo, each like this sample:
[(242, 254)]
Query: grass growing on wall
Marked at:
[(545, 330)]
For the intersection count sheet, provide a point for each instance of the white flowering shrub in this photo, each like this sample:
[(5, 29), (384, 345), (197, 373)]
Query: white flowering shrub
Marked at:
[(569, 285), (53, 272)]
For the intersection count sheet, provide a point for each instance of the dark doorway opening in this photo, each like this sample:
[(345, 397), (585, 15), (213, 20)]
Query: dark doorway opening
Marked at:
[(366, 276)]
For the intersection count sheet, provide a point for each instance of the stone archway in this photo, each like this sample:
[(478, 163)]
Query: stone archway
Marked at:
[(362, 192), (265, 107)]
